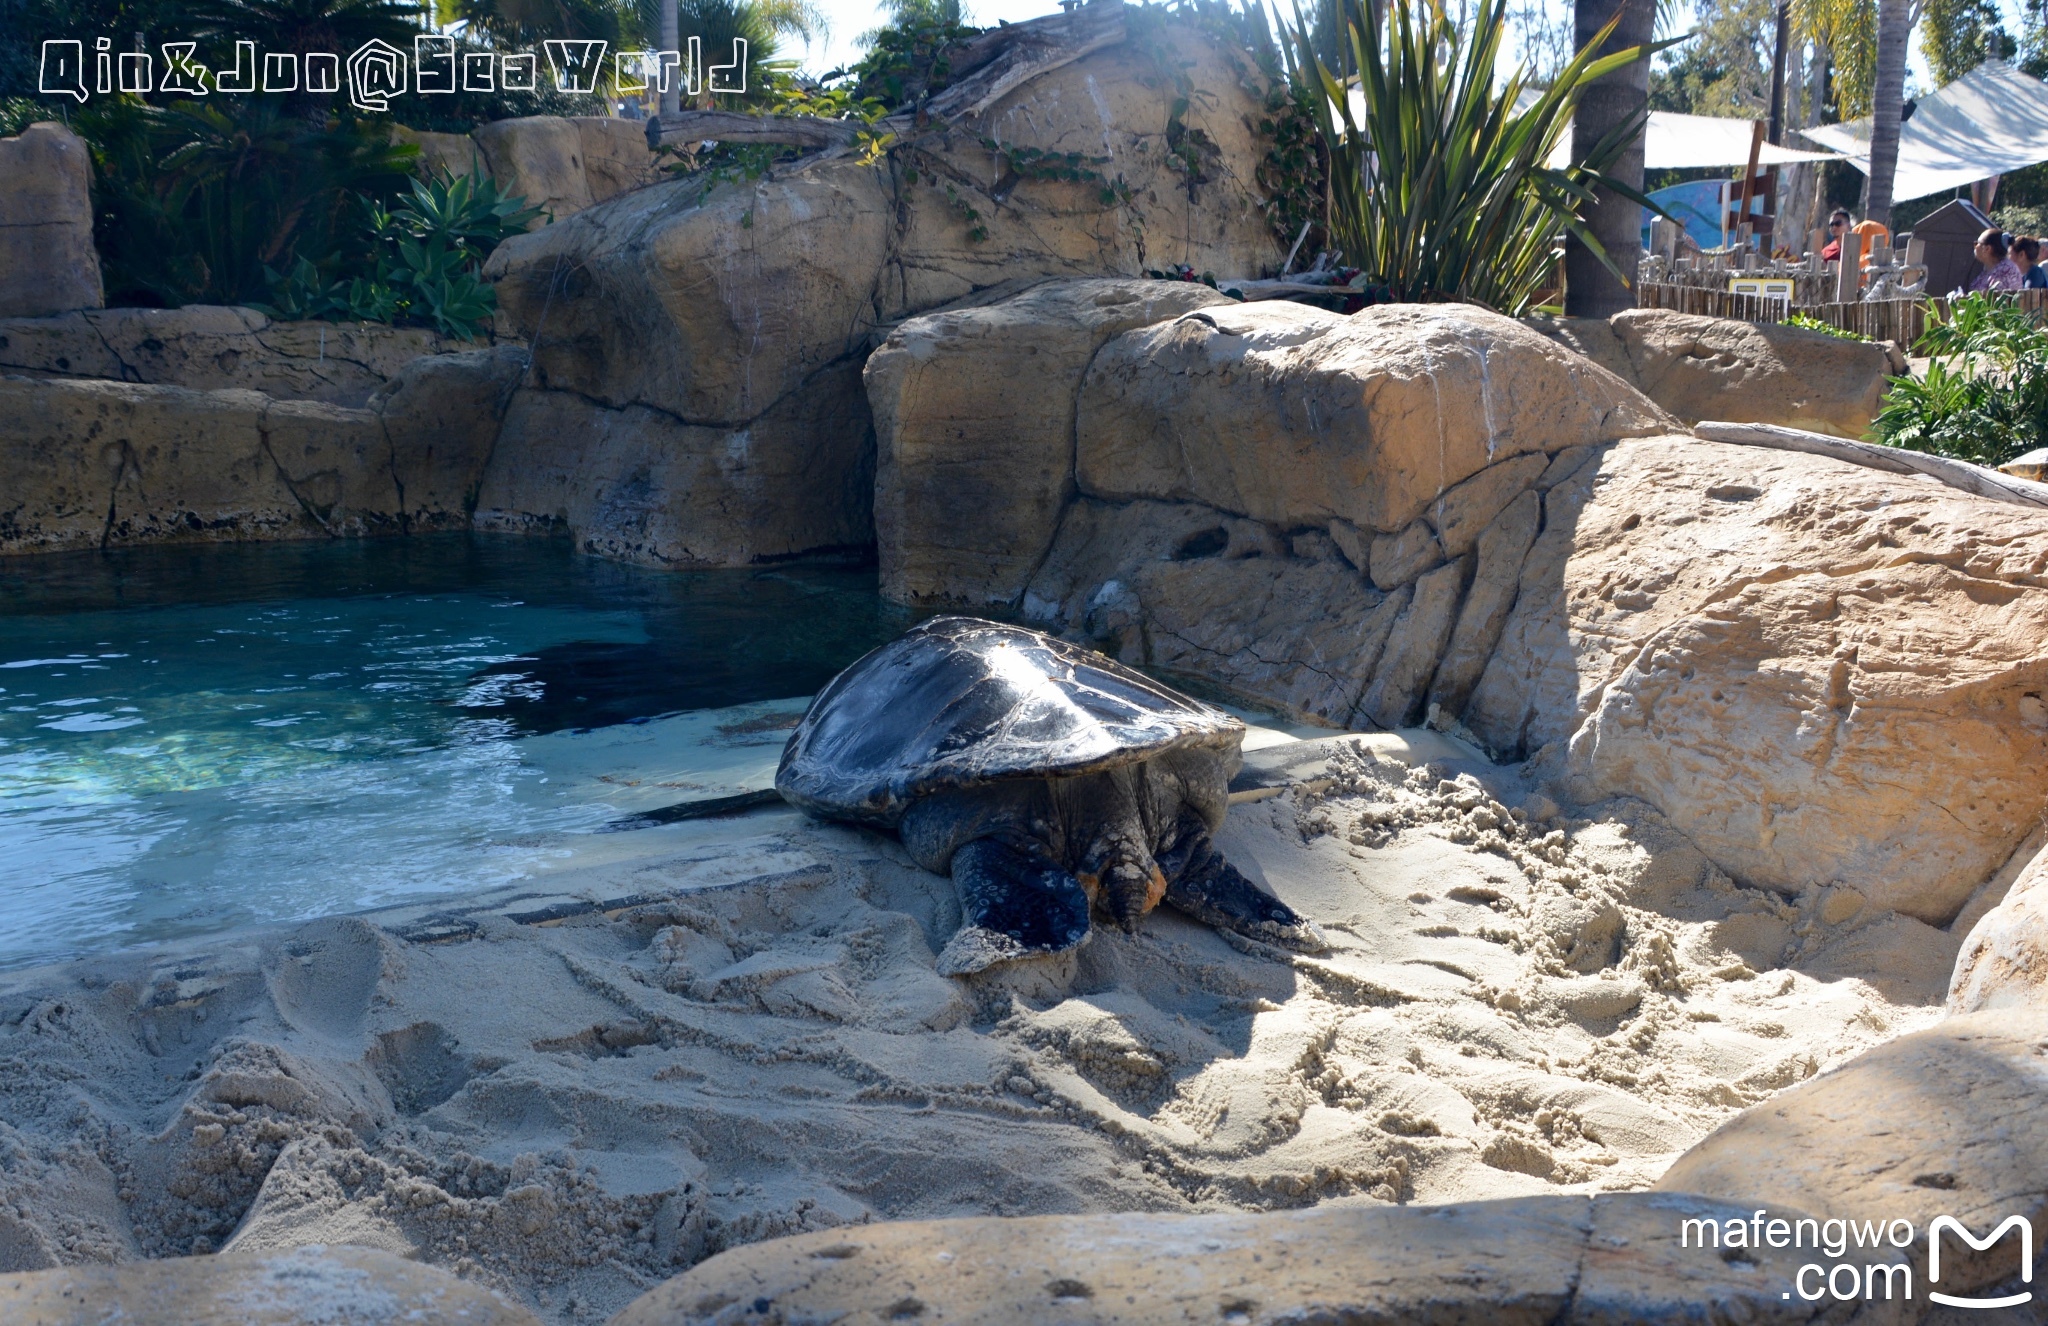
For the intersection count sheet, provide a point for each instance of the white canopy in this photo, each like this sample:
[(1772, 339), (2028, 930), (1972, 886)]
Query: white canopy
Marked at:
[(1686, 142), (1992, 120)]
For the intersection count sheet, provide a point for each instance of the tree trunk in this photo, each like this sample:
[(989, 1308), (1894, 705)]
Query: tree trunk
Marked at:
[(671, 40), (1591, 291), (1887, 100)]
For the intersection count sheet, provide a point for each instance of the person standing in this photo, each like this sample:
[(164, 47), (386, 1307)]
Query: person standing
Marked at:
[(2000, 272)]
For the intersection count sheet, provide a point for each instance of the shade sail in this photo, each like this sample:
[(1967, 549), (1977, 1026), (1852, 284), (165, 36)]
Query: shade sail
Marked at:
[(1689, 142), (1685, 142), (1992, 120)]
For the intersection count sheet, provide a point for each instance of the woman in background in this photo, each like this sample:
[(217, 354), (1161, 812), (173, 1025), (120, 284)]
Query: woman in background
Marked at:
[(2026, 255), (2000, 272)]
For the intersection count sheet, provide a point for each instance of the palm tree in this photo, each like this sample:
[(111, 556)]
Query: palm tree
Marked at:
[(1593, 288), (1888, 95)]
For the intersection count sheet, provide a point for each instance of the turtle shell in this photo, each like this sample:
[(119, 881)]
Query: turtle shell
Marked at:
[(957, 702)]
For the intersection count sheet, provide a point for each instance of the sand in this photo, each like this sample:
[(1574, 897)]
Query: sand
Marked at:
[(699, 1035)]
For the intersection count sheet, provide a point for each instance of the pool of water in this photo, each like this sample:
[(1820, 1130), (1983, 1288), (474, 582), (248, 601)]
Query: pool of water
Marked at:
[(195, 738)]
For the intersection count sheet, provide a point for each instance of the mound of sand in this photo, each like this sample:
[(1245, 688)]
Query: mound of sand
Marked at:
[(731, 1030)]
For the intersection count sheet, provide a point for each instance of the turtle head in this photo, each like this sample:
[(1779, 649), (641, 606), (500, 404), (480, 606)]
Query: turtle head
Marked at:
[(1123, 882)]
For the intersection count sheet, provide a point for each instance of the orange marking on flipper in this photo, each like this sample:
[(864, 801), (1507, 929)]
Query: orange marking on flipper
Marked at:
[(1155, 890), (1090, 885)]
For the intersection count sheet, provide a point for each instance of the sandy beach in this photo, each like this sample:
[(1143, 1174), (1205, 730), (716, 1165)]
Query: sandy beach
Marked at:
[(705, 1034)]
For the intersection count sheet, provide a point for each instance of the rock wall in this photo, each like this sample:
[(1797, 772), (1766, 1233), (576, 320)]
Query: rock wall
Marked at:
[(713, 336), (207, 348), (560, 164), (94, 464), (1716, 368), (47, 260), (1821, 673)]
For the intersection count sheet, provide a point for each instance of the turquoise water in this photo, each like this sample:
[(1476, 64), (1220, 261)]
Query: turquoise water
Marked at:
[(195, 738)]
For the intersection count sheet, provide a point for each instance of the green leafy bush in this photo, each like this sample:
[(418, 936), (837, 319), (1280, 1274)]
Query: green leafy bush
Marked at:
[(1440, 188), (426, 256), (195, 201), (1985, 396), (1807, 322)]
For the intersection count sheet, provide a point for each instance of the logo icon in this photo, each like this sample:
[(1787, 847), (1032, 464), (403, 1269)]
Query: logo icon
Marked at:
[(1962, 1232)]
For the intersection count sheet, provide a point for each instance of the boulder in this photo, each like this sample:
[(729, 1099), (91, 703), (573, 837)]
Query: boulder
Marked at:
[(47, 260), (1940, 1122), (1821, 673), (90, 463), (712, 328), (341, 1286), (1716, 368), (974, 428), (1296, 416), (563, 164), (451, 155), (1559, 1261), (2004, 960), (209, 347)]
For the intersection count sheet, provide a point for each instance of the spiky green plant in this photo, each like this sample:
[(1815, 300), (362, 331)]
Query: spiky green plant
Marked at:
[(1442, 188)]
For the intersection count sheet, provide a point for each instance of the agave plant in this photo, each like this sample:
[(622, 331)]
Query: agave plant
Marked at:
[(1439, 187)]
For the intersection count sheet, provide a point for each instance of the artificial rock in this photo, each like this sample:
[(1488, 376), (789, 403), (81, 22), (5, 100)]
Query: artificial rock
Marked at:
[(208, 347), (90, 463), (1717, 368), (2004, 959), (979, 466), (1939, 1122), (729, 308), (47, 260), (1825, 674), (338, 1285), (1537, 1261)]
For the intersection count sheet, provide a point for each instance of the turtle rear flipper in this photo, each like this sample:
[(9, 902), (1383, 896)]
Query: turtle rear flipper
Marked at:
[(1207, 887), (1013, 905)]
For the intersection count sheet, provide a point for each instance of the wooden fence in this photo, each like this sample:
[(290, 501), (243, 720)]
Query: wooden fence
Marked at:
[(1899, 321)]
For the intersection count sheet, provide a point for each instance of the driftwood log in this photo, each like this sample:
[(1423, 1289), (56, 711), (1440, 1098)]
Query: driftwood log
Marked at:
[(697, 126)]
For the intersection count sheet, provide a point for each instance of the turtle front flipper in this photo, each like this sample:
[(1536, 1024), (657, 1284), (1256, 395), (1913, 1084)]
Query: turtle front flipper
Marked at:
[(1013, 905), (1207, 887)]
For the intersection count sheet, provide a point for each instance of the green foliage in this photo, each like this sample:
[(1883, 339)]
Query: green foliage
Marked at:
[(1847, 29), (2021, 220), (1985, 396), (1724, 68), (426, 256), (1440, 190), (1807, 322), (909, 59), (1958, 35), (195, 200), (1294, 168)]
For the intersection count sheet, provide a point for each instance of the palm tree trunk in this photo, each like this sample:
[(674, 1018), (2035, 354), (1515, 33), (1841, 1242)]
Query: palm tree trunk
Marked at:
[(1591, 291), (671, 40), (1887, 98)]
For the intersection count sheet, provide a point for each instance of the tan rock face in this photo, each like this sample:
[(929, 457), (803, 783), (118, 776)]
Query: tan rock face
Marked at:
[(1295, 416), (729, 307), (343, 1285), (47, 260), (208, 347), (1564, 1260), (1941, 1122), (1715, 368), (974, 467), (1825, 675), (1820, 673), (91, 463), (2004, 961)]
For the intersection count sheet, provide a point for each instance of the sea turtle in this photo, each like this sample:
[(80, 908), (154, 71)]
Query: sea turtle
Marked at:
[(1044, 777)]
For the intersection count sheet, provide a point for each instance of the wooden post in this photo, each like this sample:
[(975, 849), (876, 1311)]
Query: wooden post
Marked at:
[(1849, 273), (1749, 181)]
